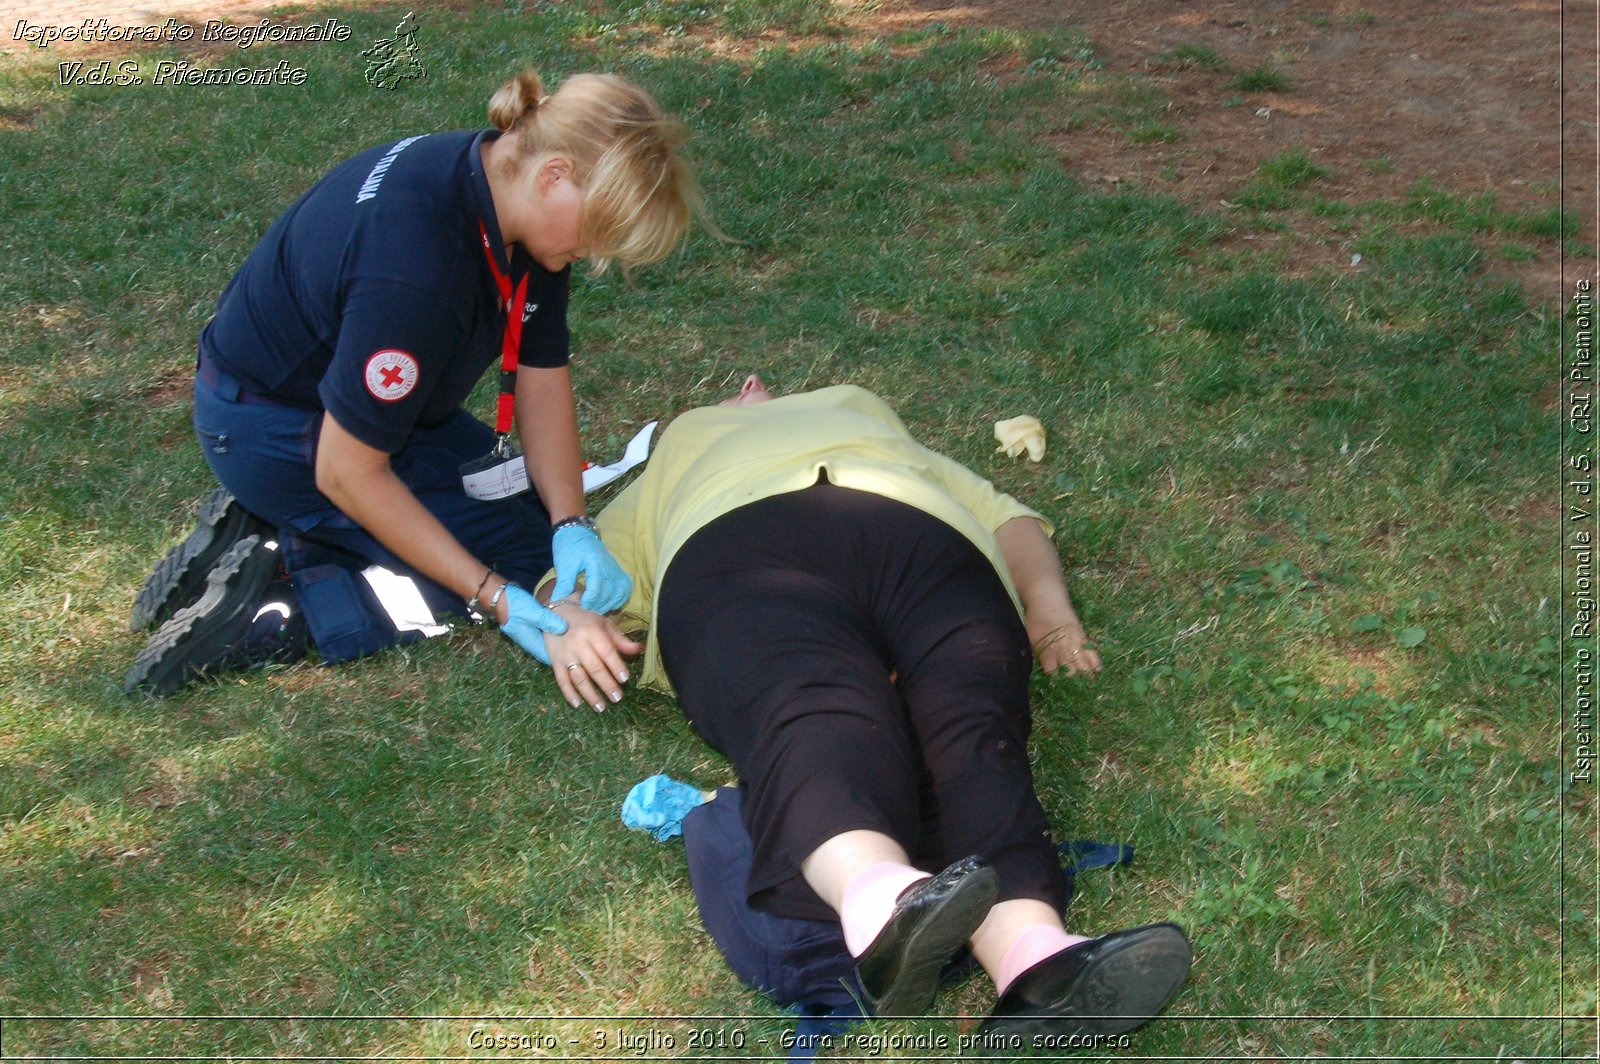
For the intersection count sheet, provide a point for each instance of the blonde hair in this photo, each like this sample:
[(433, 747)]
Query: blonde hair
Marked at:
[(639, 195)]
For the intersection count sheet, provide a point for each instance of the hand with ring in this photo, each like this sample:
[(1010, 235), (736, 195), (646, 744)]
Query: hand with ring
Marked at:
[(1059, 641), (590, 655)]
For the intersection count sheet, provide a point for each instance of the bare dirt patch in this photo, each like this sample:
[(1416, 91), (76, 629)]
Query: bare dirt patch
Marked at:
[(1486, 96)]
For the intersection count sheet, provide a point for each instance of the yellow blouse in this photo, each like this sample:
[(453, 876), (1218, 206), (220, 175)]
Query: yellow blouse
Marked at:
[(715, 459)]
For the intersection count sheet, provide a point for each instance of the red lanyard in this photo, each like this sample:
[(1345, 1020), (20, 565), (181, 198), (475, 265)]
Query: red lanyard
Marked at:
[(512, 344)]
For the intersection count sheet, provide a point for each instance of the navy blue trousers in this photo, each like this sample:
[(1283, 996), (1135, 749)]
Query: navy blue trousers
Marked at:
[(863, 667), (265, 453)]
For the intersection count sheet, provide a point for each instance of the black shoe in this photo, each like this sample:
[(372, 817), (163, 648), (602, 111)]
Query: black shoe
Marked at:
[(930, 922), (179, 578), (1105, 986), (246, 617)]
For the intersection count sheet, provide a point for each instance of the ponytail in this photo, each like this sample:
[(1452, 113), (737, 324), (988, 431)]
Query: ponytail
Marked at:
[(516, 100), (640, 196)]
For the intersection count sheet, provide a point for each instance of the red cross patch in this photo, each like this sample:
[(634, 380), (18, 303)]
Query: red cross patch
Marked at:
[(391, 374)]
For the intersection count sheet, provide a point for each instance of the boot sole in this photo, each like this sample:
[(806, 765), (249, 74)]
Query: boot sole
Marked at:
[(164, 666), (179, 578)]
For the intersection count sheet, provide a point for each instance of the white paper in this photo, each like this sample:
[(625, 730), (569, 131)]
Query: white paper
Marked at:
[(511, 476), (637, 451)]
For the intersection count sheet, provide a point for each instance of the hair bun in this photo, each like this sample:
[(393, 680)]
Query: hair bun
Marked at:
[(518, 98)]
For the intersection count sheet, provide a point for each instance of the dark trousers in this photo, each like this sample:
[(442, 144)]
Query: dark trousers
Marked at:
[(265, 453), (862, 666)]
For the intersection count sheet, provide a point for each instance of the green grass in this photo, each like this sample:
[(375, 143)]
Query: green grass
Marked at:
[(1515, 252), (1189, 56), (1278, 181), (1427, 201), (1264, 77), (1154, 133), (1305, 515)]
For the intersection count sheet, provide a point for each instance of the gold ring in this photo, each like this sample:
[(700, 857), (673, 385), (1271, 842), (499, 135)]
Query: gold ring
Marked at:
[(572, 666)]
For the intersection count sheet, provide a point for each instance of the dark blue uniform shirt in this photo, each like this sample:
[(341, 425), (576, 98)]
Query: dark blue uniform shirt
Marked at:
[(371, 297)]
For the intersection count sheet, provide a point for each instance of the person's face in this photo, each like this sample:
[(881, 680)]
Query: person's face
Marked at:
[(555, 234), (752, 392)]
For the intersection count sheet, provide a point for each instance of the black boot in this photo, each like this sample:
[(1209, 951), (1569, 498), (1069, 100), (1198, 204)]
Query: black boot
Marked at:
[(246, 617), (179, 578)]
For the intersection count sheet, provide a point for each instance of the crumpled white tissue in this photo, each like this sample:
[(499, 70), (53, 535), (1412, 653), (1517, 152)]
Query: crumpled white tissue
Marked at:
[(1020, 434)]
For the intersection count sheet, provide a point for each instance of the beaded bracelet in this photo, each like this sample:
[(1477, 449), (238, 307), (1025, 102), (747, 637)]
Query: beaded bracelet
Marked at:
[(494, 600), (472, 603)]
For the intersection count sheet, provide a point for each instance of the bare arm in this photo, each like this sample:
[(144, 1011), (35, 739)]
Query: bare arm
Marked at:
[(359, 480), (547, 424), (1054, 631)]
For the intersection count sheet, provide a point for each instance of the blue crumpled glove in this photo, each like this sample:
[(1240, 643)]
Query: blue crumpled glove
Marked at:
[(578, 549), (527, 622), (658, 805)]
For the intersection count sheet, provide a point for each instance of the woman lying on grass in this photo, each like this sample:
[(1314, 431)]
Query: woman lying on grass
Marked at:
[(848, 617)]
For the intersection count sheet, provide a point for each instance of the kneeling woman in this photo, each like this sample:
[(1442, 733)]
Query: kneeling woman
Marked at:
[(848, 617), (330, 387)]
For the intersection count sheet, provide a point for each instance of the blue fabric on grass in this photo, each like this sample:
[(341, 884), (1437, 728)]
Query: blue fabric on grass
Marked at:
[(658, 805)]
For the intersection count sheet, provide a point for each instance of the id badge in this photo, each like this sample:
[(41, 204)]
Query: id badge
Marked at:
[(499, 474)]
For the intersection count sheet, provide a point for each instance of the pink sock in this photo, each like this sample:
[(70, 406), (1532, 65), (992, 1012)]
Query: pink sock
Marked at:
[(1029, 948), (869, 901)]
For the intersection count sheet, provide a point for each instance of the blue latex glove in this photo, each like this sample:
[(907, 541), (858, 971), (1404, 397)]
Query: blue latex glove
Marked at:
[(658, 805), (578, 550), (527, 622)]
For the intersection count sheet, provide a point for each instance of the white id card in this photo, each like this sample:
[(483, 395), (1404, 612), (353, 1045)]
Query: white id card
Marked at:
[(495, 477)]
